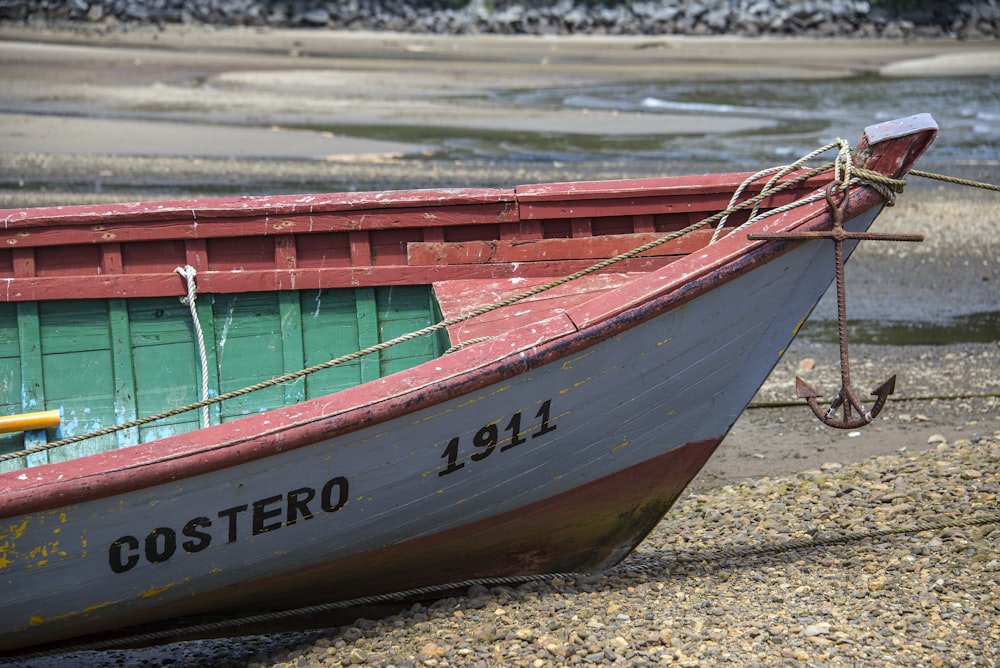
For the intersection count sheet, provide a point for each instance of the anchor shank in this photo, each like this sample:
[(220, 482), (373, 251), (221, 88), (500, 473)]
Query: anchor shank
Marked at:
[(845, 369)]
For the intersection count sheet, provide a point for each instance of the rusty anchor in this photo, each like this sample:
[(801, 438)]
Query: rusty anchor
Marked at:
[(846, 401)]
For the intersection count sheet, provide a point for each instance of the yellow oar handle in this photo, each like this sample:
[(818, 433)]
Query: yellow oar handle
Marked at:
[(29, 421)]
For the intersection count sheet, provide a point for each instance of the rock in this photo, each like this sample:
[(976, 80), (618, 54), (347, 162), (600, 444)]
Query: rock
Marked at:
[(817, 629), (833, 18)]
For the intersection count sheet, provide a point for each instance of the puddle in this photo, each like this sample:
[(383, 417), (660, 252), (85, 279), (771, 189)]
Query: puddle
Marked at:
[(981, 327)]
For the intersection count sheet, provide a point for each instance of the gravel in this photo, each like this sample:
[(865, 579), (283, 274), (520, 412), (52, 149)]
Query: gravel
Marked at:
[(890, 561)]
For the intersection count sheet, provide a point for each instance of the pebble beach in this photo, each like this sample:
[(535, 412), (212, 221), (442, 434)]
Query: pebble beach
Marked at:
[(889, 561), (724, 581), (795, 546)]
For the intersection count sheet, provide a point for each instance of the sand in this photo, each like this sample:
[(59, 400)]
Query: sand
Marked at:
[(207, 92)]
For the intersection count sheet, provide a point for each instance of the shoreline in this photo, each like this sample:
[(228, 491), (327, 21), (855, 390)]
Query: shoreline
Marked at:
[(257, 92)]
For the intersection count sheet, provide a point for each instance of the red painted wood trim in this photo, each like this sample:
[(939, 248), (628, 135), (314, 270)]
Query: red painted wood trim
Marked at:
[(361, 249), (23, 264), (111, 259), (43, 227), (599, 247), (285, 252), (169, 284), (196, 253)]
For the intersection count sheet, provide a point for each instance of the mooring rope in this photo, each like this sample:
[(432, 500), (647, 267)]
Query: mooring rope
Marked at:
[(955, 180), (777, 173), (844, 172)]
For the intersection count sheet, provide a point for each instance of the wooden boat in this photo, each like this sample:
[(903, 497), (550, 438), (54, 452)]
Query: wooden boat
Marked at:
[(547, 434)]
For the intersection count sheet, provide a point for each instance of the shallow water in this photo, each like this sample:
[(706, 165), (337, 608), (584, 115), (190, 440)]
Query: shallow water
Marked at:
[(981, 327), (801, 115)]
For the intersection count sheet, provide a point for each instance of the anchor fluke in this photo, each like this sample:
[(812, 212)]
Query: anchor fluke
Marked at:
[(805, 391), (881, 394)]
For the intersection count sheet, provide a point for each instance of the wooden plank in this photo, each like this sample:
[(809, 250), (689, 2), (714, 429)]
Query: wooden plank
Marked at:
[(249, 350), (10, 380), (32, 383), (361, 249), (23, 262), (226, 282), (111, 259), (368, 332), (78, 372), (41, 230), (293, 352), (405, 309), (459, 297), (492, 252), (165, 361), (101, 216), (330, 330), (124, 374)]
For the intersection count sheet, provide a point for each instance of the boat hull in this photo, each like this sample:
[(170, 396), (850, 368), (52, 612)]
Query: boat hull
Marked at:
[(552, 439), (563, 464)]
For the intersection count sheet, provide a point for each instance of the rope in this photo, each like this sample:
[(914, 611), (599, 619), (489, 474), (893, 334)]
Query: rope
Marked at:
[(843, 149), (842, 169), (188, 272), (464, 344), (955, 180), (828, 540), (707, 556)]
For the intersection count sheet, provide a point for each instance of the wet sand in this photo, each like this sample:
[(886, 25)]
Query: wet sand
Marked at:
[(152, 92)]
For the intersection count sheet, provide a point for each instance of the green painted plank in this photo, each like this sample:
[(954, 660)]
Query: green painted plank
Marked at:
[(249, 349), (165, 364), (404, 309), (10, 381), (124, 377), (329, 331), (293, 352), (368, 333), (78, 372), (32, 390)]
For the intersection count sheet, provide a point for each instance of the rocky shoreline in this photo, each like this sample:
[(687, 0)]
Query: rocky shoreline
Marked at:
[(816, 18)]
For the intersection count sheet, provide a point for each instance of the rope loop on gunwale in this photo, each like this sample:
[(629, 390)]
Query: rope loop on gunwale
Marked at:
[(188, 273), (844, 172)]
